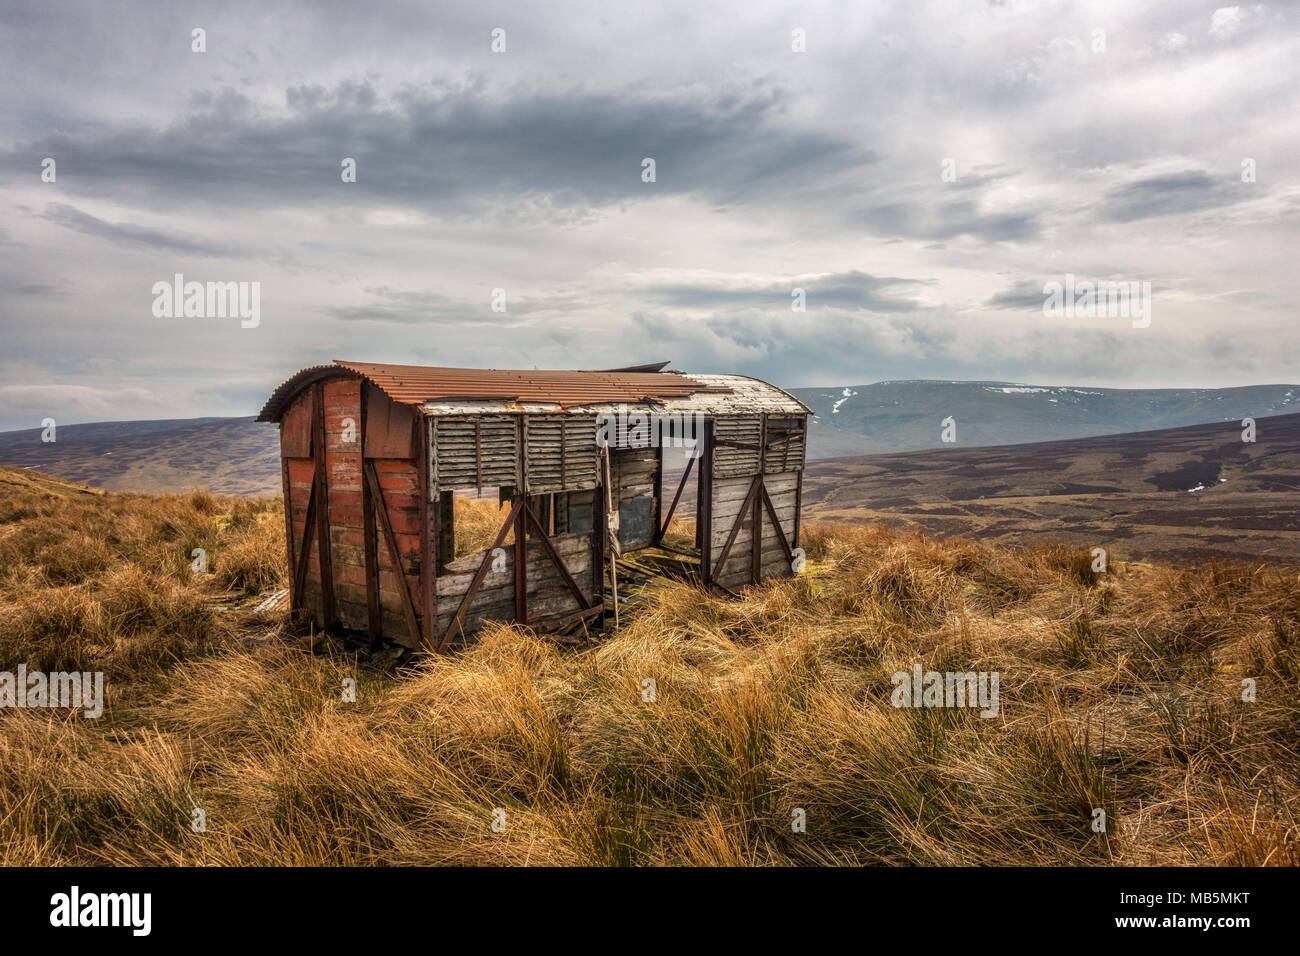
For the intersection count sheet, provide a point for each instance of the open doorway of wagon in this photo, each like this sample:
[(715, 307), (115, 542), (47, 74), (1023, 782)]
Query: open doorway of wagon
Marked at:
[(680, 495), (673, 547)]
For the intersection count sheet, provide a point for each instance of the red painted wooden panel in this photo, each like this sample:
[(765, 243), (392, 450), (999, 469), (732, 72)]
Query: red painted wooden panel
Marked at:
[(301, 471), (349, 537), (390, 428), (295, 428), (350, 574), (399, 482), (343, 476), (404, 520)]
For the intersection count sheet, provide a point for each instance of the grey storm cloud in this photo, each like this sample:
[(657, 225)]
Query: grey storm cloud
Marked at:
[(1178, 193), (125, 233), (406, 307), (848, 290), (455, 147), (1023, 295), (948, 220)]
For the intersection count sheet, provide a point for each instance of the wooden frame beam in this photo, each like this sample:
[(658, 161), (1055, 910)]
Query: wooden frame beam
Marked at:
[(304, 550), (798, 506), (656, 519), (428, 539), (735, 526), (521, 528), (324, 555), (704, 511), (780, 532), (374, 613), (482, 572), (549, 547), (408, 603), (521, 559), (598, 533), (681, 486), (287, 498)]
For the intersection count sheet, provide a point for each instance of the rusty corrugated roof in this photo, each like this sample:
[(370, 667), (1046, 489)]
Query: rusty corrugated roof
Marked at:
[(417, 384)]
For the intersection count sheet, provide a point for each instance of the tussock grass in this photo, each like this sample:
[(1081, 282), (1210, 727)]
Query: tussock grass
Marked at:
[(1119, 691)]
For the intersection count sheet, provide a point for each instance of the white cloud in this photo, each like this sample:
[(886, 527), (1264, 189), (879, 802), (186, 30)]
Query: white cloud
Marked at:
[(1172, 42)]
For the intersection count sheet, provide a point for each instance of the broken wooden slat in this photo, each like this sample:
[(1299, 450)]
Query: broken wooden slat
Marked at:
[(304, 550)]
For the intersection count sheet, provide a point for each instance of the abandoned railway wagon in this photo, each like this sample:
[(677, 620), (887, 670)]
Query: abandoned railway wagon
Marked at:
[(373, 456)]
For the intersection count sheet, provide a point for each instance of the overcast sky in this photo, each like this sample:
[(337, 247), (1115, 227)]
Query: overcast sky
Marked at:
[(1114, 156)]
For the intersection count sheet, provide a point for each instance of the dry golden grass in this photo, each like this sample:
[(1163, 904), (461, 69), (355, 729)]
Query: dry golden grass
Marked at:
[(477, 522), (1119, 691)]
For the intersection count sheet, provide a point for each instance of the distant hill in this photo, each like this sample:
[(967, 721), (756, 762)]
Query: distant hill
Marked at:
[(906, 416), (235, 456), (239, 455), (1173, 494)]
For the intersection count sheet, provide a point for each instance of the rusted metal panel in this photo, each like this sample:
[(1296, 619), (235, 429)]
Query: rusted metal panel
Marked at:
[(415, 384)]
